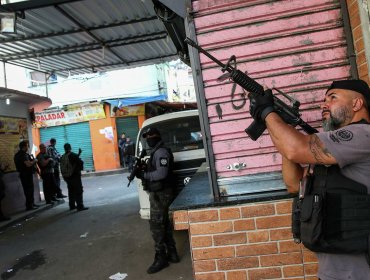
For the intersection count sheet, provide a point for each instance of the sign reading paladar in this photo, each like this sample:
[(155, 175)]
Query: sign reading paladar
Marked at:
[(69, 114)]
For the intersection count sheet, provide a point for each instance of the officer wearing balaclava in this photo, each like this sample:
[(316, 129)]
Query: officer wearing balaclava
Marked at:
[(160, 181)]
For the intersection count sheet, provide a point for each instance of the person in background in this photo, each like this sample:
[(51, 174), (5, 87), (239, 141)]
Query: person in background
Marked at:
[(121, 146), (335, 198), (129, 151), (2, 192), (54, 154), (26, 166), (71, 166), (160, 183), (46, 165)]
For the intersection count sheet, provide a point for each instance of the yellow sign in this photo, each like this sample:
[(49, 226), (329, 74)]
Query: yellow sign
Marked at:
[(12, 131), (70, 114), (128, 111)]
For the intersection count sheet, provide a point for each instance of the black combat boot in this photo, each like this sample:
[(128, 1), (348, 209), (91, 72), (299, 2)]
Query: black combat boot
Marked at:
[(172, 255), (160, 262)]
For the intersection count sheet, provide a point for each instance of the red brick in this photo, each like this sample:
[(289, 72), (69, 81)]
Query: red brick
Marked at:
[(293, 270), (228, 239), (180, 217), (281, 259), (244, 225), (210, 276), (363, 70), (281, 234), (361, 58), (229, 213), (311, 269), (309, 257), (204, 266), (236, 275), (208, 228), (284, 207), (274, 222), (182, 226), (289, 246), (264, 273), (201, 241), (258, 236), (353, 9), (258, 210), (237, 263), (256, 249), (213, 253), (359, 45), (203, 216)]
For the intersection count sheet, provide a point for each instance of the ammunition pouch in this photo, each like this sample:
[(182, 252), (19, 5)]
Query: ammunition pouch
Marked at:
[(332, 217)]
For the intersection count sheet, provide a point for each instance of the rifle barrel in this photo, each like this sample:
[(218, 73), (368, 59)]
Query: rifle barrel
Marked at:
[(194, 45)]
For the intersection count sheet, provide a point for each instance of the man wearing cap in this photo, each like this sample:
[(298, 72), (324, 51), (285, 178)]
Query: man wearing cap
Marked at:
[(160, 182), (339, 164)]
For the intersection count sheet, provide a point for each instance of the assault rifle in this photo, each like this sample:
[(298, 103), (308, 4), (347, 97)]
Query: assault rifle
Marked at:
[(139, 164), (289, 113)]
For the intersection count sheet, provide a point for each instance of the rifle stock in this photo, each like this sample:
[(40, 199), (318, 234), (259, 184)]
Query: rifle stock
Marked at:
[(137, 166), (290, 114)]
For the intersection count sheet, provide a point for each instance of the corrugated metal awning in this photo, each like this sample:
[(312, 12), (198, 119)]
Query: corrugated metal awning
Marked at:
[(76, 37)]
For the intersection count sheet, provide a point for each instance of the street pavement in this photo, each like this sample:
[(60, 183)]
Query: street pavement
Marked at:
[(108, 239)]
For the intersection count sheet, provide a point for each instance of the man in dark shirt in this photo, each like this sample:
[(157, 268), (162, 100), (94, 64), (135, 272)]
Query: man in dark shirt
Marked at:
[(73, 180), (54, 154), (26, 166), (46, 163)]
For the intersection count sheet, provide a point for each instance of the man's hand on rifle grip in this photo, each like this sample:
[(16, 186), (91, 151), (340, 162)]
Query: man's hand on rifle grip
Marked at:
[(261, 105)]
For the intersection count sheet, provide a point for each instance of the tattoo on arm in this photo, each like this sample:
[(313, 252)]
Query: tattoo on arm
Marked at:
[(317, 150)]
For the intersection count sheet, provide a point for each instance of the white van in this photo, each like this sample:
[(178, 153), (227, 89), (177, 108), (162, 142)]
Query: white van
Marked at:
[(180, 132)]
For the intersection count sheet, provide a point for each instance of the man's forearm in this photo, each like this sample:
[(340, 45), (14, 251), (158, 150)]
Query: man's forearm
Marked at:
[(292, 175), (286, 138)]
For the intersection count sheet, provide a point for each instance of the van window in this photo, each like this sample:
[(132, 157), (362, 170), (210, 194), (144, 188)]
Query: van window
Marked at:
[(180, 134)]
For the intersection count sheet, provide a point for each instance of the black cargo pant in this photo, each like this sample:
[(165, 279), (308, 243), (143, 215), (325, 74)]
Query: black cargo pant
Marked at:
[(48, 184), (75, 190), (28, 188), (160, 223), (57, 182)]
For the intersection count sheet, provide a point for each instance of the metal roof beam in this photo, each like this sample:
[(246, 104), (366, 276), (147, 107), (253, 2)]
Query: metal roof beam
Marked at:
[(95, 66), (75, 21), (104, 26), (84, 47), (29, 5)]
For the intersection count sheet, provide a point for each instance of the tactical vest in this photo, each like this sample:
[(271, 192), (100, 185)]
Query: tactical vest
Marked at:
[(333, 216), (169, 181)]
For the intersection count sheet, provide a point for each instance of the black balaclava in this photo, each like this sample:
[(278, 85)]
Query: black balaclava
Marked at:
[(152, 142)]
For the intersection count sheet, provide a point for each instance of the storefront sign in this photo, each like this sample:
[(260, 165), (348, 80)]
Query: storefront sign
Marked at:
[(12, 131), (69, 114), (128, 111)]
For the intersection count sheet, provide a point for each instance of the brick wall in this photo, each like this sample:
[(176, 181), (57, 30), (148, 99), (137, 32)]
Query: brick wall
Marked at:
[(248, 241), (358, 40)]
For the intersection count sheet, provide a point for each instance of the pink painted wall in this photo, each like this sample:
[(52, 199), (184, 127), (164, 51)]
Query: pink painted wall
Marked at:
[(298, 46)]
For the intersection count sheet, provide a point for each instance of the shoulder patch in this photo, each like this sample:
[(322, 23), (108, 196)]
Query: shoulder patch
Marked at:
[(343, 135), (163, 161)]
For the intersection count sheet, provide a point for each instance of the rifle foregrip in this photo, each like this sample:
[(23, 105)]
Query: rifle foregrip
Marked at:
[(255, 130)]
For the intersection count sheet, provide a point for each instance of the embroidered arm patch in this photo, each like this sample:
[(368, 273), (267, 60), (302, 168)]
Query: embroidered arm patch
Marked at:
[(163, 161)]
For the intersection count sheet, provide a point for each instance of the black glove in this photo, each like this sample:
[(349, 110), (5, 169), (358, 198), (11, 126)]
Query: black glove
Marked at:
[(140, 174), (261, 105)]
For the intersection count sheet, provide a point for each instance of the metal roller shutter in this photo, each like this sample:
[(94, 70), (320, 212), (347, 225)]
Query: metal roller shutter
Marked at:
[(78, 135), (129, 125)]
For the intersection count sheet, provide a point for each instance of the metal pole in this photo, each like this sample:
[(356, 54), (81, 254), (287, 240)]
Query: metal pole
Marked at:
[(5, 82), (46, 85)]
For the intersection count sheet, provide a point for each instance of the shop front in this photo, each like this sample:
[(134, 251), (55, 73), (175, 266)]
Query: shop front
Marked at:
[(16, 115)]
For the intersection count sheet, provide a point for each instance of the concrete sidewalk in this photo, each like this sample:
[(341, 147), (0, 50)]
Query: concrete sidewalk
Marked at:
[(107, 239), (26, 215)]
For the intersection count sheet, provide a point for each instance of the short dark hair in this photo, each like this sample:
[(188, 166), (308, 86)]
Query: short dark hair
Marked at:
[(52, 140), (23, 144), (67, 147)]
